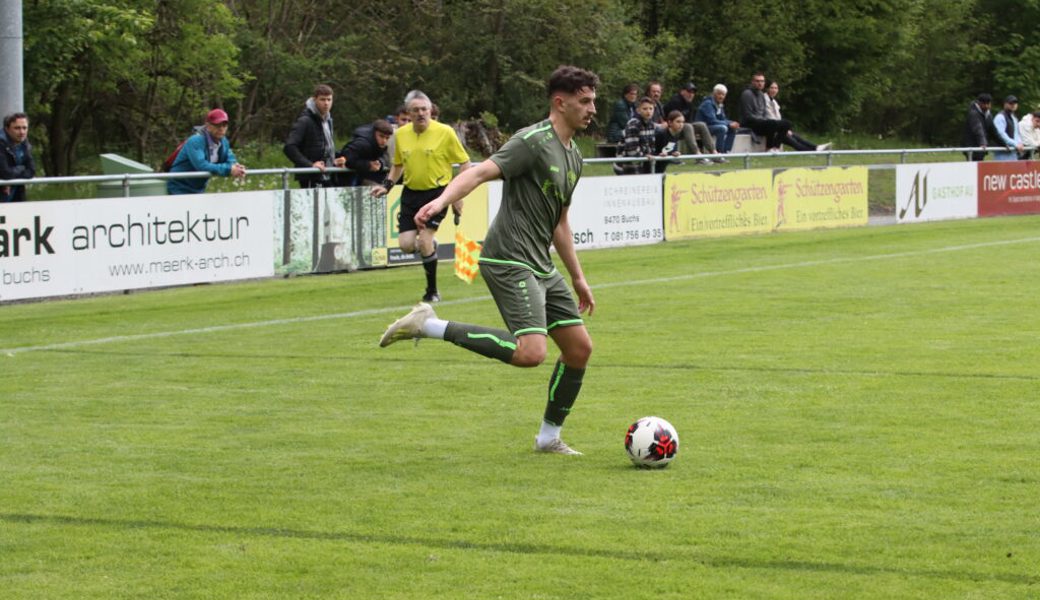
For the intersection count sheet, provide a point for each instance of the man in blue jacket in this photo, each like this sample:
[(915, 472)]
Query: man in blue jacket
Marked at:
[(206, 150), (713, 114)]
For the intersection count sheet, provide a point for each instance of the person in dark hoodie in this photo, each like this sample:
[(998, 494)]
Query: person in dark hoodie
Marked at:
[(16, 160), (311, 141), (366, 154)]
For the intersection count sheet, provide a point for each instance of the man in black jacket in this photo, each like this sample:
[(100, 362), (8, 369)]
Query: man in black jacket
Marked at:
[(683, 102), (311, 142), (16, 160), (977, 126), (366, 154)]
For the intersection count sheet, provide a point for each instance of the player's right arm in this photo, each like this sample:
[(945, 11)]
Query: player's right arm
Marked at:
[(459, 188)]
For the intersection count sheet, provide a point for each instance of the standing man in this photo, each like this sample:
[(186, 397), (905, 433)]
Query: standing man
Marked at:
[(311, 141), (16, 160), (424, 151), (207, 150), (541, 165), (1006, 125), (1029, 131), (976, 128)]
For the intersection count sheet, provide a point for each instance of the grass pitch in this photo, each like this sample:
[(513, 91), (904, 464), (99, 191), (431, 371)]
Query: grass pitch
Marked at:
[(857, 410)]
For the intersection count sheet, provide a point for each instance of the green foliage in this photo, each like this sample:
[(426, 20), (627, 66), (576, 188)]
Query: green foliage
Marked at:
[(133, 75)]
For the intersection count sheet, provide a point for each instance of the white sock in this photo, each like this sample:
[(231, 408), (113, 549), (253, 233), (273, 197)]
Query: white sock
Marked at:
[(434, 328), (548, 433)]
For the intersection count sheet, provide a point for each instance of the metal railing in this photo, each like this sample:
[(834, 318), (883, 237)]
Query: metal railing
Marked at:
[(747, 157)]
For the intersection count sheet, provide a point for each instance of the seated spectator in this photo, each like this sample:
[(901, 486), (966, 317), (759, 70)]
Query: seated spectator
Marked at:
[(788, 137), (16, 159), (712, 113), (654, 90), (624, 111), (206, 150), (754, 114), (668, 139), (366, 153), (976, 127), (683, 102), (1029, 131), (1005, 125), (640, 138)]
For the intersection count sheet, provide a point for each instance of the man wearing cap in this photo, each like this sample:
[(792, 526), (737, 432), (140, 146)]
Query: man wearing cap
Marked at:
[(683, 102), (206, 150), (1006, 126), (976, 128)]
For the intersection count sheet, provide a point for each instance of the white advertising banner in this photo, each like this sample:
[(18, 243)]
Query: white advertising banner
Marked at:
[(617, 211), (609, 211), (85, 246), (936, 191)]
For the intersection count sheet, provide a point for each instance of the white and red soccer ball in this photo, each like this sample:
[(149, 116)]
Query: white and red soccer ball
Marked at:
[(651, 442)]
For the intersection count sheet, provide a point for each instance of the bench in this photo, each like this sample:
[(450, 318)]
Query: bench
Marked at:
[(745, 142)]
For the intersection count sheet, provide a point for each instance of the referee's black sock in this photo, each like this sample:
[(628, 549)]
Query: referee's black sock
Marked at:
[(430, 265), (486, 341)]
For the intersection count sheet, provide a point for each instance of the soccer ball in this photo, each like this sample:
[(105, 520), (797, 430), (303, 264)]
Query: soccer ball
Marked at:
[(651, 442)]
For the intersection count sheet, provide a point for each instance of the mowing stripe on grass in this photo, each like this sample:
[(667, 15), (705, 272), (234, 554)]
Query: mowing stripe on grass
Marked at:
[(398, 309)]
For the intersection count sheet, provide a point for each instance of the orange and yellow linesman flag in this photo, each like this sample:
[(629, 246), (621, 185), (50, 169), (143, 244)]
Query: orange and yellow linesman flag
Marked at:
[(467, 253)]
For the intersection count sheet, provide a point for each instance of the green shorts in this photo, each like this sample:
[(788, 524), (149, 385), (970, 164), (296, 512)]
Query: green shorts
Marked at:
[(529, 303)]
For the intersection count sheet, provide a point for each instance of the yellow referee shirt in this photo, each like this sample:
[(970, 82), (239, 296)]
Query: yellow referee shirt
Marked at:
[(427, 157)]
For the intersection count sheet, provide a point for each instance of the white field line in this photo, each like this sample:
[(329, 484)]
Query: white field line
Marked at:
[(401, 309)]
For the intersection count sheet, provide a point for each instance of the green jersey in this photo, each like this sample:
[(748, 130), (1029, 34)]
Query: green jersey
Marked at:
[(540, 176)]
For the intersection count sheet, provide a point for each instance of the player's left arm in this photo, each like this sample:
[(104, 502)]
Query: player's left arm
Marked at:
[(563, 240)]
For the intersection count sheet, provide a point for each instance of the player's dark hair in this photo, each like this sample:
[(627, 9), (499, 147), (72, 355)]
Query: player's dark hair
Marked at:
[(570, 80)]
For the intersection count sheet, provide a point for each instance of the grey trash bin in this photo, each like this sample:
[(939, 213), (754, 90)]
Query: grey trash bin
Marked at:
[(113, 164)]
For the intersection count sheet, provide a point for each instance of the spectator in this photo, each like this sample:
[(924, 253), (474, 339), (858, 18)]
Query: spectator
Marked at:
[(401, 119), (788, 137), (1029, 131), (754, 113), (206, 150), (366, 153), (640, 138), (683, 102), (712, 113), (16, 160), (1006, 127), (424, 152), (311, 141), (654, 92), (668, 140), (976, 128), (623, 112)]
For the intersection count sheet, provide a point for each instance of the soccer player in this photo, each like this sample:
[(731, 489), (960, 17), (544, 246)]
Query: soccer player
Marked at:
[(541, 165), (424, 151)]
